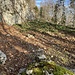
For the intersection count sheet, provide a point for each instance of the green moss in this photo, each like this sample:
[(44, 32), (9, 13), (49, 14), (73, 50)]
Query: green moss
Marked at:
[(58, 73), (44, 27), (45, 68), (37, 71), (51, 67), (61, 71)]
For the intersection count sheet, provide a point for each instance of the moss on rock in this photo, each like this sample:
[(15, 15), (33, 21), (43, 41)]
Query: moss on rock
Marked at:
[(50, 67)]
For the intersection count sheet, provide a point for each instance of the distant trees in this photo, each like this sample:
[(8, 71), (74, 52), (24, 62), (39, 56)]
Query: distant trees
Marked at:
[(56, 8), (63, 17), (51, 10), (46, 9), (59, 8), (36, 10), (72, 5), (59, 11), (41, 12)]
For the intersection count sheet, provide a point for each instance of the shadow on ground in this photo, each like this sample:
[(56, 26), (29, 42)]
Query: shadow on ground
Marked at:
[(19, 50)]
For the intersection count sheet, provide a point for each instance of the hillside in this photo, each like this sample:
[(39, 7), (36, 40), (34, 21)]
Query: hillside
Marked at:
[(21, 42)]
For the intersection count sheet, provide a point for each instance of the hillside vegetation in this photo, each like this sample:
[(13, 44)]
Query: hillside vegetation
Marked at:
[(22, 41), (45, 27)]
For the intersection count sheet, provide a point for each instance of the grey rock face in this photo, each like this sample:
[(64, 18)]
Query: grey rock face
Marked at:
[(3, 57), (15, 11)]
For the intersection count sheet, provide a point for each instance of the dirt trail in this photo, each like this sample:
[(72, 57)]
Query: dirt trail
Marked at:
[(19, 48)]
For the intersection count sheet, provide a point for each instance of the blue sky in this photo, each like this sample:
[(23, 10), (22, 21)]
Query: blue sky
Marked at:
[(67, 2), (38, 2)]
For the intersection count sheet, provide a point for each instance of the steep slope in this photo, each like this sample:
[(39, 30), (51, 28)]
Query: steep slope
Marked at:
[(21, 48)]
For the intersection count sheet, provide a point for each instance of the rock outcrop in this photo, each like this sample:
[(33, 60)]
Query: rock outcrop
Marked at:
[(15, 11), (44, 66), (3, 57)]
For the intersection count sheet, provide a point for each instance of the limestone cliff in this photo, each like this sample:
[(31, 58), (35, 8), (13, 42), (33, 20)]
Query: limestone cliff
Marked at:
[(15, 11)]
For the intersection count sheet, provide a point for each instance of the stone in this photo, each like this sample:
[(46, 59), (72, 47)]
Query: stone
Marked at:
[(47, 73), (30, 36), (33, 50), (40, 49), (36, 64), (3, 57), (52, 56), (42, 57), (29, 72), (8, 35)]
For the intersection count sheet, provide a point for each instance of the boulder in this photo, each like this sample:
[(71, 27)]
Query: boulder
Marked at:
[(3, 57)]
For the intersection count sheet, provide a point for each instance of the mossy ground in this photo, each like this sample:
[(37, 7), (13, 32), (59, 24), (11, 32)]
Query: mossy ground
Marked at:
[(50, 67), (45, 27)]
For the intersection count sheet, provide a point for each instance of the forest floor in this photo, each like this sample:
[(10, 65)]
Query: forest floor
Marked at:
[(20, 47)]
